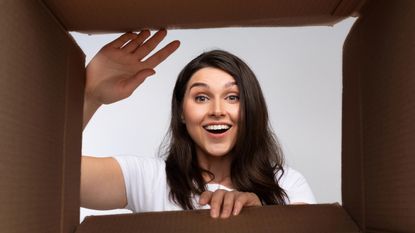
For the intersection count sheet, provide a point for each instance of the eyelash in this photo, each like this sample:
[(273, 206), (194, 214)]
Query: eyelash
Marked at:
[(200, 98), (235, 98), (203, 98)]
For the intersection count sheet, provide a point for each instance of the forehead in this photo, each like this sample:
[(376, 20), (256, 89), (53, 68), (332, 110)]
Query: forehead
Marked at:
[(212, 77)]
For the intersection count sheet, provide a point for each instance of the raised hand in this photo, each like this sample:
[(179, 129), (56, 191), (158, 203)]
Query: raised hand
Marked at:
[(118, 68), (226, 203)]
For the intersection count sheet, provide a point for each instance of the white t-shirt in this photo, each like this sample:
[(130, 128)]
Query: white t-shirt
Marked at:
[(147, 189)]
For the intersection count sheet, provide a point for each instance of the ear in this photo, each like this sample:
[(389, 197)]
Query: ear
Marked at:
[(182, 118)]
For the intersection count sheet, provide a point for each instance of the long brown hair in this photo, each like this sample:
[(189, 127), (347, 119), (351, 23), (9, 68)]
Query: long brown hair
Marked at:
[(257, 155)]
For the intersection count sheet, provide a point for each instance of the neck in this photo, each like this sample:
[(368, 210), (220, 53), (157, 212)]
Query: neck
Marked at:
[(219, 166)]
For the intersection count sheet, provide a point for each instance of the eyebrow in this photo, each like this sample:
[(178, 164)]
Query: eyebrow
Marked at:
[(200, 84)]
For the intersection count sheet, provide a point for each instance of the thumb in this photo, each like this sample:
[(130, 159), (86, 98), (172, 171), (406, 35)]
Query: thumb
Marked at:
[(132, 83)]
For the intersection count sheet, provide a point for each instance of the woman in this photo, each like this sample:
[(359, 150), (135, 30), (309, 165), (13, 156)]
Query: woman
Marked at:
[(221, 151)]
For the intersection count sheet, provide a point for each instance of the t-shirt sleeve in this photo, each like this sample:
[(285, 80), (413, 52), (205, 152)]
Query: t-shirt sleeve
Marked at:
[(142, 176), (296, 187)]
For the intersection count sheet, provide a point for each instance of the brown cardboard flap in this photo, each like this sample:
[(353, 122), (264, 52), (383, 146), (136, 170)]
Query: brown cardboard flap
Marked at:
[(127, 15), (285, 219), (40, 121), (352, 145), (378, 118), (72, 147)]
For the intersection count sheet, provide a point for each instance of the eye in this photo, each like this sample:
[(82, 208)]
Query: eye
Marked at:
[(233, 98), (201, 98)]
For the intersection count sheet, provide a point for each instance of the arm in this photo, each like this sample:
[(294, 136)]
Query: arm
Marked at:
[(112, 75), (102, 184), (118, 68)]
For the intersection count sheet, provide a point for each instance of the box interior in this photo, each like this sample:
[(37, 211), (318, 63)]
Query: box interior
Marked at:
[(42, 96)]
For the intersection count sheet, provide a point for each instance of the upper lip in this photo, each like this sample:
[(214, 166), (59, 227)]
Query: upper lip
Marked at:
[(217, 123)]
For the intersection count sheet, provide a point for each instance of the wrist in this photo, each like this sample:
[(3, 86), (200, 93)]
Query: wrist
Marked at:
[(90, 107), (91, 104)]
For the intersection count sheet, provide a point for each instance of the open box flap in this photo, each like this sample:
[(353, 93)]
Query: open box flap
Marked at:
[(378, 175), (41, 94), (127, 15), (284, 219)]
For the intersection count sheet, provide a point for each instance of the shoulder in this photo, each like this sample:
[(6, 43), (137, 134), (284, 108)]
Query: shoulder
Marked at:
[(140, 162), (145, 183), (141, 169), (289, 177), (295, 185)]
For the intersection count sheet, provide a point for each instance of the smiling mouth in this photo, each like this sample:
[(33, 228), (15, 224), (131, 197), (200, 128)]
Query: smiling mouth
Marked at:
[(217, 129)]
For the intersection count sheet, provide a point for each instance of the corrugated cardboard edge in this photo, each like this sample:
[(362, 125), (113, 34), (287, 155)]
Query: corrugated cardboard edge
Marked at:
[(352, 135), (294, 218), (349, 8), (72, 147), (72, 138), (280, 22)]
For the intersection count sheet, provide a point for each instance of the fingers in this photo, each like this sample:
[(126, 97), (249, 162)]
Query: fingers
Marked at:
[(136, 42), (239, 203), (226, 203), (120, 41), (205, 197), (135, 47), (162, 54), (246, 199), (150, 44), (216, 202)]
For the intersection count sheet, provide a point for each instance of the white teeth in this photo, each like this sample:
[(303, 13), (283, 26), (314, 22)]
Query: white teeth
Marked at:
[(217, 127)]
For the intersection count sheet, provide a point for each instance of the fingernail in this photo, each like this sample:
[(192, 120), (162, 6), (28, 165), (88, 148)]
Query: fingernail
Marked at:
[(224, 215), (235, 212)]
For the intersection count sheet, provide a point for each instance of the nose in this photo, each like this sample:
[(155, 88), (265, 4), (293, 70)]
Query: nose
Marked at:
[(217, 109)]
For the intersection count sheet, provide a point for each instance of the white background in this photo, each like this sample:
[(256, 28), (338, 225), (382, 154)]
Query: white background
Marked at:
[(299, 69)]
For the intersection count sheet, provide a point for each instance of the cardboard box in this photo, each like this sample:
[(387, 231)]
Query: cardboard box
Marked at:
[(41, 97)]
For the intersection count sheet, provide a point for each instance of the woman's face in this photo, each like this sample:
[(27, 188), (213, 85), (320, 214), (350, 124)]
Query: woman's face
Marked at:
[(211, 111)]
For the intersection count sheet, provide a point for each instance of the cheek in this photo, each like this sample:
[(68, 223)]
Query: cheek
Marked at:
[(192, 114), (235, 114)]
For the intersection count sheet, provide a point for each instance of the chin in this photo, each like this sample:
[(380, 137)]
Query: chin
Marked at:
[(218, 153)]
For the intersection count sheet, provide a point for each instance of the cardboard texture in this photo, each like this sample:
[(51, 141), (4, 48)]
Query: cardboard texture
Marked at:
[(40, 115), (128, 15), (301, 218), (378, 113), (41, 95)]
